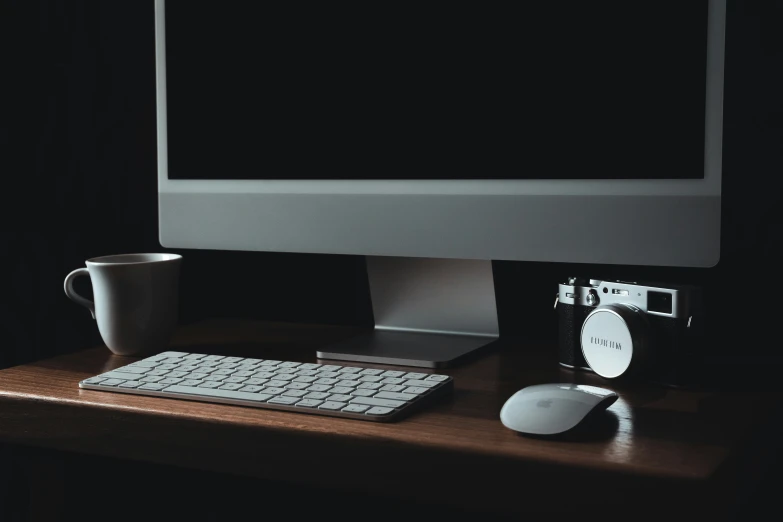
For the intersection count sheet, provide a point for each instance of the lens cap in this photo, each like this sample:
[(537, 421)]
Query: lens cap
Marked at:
[(613, 340)]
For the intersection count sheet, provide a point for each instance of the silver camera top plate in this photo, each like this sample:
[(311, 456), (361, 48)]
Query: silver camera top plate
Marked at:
[(669, 301)]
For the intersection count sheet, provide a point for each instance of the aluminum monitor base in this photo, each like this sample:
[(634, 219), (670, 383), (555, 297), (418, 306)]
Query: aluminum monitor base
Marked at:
[(429, 313)]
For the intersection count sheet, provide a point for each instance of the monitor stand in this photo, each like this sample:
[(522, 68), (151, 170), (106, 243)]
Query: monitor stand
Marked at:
[(428, 313)]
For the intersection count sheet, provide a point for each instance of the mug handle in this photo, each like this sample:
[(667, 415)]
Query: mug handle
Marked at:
[(70, 292)]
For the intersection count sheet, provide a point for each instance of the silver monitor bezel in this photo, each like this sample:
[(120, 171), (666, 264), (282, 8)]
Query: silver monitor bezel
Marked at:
[(640, 222)]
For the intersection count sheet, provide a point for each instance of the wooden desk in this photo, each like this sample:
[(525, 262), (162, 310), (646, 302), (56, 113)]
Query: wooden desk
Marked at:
[(658, 452)]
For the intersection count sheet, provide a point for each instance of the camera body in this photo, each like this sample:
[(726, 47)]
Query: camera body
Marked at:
[(622, 329)]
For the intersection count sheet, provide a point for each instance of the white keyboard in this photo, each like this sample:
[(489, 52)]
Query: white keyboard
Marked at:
[(322, 389)]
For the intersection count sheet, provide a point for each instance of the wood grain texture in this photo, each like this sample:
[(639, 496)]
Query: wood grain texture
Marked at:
[(679, 443)]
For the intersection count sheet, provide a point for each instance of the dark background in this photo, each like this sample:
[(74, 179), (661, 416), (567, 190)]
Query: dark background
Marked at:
[(79, 180)]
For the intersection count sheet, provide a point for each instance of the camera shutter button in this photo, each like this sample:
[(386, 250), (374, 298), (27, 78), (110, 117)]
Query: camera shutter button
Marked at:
[(592, 298)]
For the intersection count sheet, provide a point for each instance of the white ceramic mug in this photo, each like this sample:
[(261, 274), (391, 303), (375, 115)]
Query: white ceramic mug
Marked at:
[(136, 300)]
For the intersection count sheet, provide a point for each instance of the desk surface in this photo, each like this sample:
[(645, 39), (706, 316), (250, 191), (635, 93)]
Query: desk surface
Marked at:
[(680, 442)]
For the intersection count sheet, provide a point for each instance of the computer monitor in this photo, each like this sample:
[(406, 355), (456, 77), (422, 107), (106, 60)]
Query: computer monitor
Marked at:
[(434, 139)]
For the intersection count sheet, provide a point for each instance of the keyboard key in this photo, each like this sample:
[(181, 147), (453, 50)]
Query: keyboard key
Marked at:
[(378, 410), (130, 384), (235, 380), (233, 359), (304, 378), (393, 388), (371, 371), (157, 373), (230, 386), (171, 380), (338, 397), (146, 363), (152, 386), (284, 400), (422, 383), (370, 378), (309, 403), (227, 366), (264, 375), (214, 357), (225, 394), (250, 360), (195, 356), (284, 377), (310, 366), (326, 381), (168, 366), (332, 405), (189, 368), (171, 354), (274, 391), (392, 373), (350, 369), (327, 374), (149, 379), (244, 373), (157, 358), (255, 381), (270, 362), (317, 395), (224, 371), (351, 384), (392, 380), (395, 396), (296, 386), (331, 367), (209, 384), (198, 375), (94, 380), (289, 364), (363, 393), (178, 373), (251, 389), (112, 382), (369, 386), (417, 390), (209, 364), (319, 388), (132, 369), (306, 373), (372, 401), (437, 378), (294, 393), (277, 384), (192, 382), (215, 378), (355, 408), (342, 389), (414, 375)]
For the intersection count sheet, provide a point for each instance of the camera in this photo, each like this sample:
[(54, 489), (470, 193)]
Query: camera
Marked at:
[(624, 329)]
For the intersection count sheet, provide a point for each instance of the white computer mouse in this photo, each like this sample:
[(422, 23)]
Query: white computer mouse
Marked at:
[(549, 409)]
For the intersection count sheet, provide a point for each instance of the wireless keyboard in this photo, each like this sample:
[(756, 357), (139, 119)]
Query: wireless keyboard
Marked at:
[(322, 389)]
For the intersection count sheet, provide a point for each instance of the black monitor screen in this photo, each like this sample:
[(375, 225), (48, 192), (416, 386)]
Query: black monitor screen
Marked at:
[(517, 90)]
